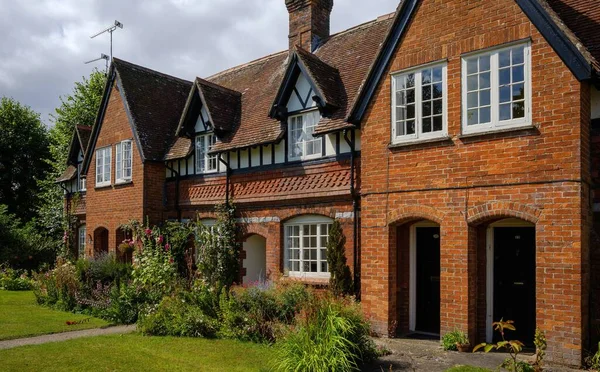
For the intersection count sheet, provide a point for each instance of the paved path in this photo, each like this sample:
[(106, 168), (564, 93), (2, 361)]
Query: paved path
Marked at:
[(427, 355), (56, 337)]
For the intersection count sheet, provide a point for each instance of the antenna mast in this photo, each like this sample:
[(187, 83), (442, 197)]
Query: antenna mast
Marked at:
[(110, 30), (102, 56)]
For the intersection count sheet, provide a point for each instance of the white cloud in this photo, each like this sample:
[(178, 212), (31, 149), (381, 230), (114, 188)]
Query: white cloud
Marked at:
[(45, 42)]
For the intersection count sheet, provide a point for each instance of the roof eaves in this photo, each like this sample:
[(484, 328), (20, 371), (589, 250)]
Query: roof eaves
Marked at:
[(130, 118)]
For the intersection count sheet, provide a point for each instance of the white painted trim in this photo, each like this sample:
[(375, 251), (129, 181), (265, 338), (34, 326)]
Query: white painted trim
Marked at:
[(489, 285), (303, 157), (301, 221), (412, 283)]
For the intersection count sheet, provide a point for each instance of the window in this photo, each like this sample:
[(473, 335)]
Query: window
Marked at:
[(496, 89), (82, 241), (205, 163), (123, 162), (302, 144), (419, 104), (103, 166), (306, 247), (80, 179)]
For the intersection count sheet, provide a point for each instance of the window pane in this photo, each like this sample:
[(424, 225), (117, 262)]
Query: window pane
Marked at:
[(437, 107), (410, 80), (437, 90), (485, 115), (504, 76), (505, 111), (426, 92), (410, 96), (437, 75), (427, 108), (410, 111), (518, 73), (518, 91), (518, 55), (504, 58), (437, 123), (410, 127), (472, 83), (426, 125), (473, 117), (426, 76), (518, 110), (472, 66), (484, 63), (504, 94), (484, 80), (484, 98), (472, 100)]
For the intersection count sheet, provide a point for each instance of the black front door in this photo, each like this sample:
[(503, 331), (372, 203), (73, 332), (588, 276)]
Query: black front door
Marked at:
[(514, 281), (428, 280)]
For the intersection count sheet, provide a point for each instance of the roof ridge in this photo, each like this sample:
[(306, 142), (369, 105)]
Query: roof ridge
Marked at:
[(381, 18), (247, 64), (151, 71), (217, 86)]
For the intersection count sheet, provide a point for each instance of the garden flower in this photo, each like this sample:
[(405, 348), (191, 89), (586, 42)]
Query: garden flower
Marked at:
[(160, 239), (167, 247), (148, 232)]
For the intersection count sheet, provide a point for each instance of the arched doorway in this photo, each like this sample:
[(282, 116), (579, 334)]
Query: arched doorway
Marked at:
[(255, 261), (418, 244), (510, 277), (100, 241)]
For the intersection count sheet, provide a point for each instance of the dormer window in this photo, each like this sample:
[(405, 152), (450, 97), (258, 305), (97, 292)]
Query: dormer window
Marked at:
[(123, 162), (302, 144), (205, 163), (80, 179)]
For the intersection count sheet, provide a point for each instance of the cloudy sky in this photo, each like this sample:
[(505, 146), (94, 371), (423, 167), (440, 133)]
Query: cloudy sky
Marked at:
[(45, 42)]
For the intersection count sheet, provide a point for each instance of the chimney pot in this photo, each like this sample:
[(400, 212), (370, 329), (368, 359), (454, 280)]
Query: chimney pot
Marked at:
[(309, 22)]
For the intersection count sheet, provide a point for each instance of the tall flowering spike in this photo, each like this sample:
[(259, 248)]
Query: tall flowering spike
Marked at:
[(160, 239), (148, 232), (167, 247)]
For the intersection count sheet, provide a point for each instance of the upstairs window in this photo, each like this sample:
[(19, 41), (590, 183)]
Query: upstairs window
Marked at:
[(205, 163), (103, 159), (419, 104), (123, 162), (302, 144), (306, 246), (80, 178), (496, 89)]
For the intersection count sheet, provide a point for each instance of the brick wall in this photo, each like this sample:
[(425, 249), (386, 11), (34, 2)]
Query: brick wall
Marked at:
[(539, 175), (109, 207)]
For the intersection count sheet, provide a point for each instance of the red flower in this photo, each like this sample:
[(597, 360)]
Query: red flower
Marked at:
[(171, 260), (160, 239), (167, 247), (148, 232)]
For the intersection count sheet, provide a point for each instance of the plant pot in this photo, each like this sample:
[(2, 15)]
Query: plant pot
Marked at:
[(463, 348)]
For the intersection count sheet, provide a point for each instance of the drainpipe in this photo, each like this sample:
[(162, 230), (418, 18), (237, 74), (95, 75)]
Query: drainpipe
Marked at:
[(227, 175), (355, 209), (62, 186), (177, 179)]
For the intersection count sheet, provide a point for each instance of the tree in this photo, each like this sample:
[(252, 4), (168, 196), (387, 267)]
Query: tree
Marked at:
[(79, 108), (23, 146), (340, 282)]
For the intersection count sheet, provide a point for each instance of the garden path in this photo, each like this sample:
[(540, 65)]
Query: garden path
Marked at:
[(57, 337)]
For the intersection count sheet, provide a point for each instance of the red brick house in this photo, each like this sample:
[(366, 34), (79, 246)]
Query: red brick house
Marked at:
[(464, 132)]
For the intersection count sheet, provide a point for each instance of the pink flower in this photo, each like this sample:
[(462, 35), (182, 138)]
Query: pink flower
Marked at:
[(171, 260), (160, 239), (148, 232), (65, 236), (167, 247)]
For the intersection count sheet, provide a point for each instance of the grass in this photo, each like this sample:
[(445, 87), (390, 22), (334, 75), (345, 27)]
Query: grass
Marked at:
[(21, 316), (467, 369), (133, 352)]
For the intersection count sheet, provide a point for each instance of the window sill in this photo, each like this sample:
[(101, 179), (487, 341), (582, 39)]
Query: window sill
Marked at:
[(124, 182), (310, 280), (491, 132), (102, 186), (397, 145)]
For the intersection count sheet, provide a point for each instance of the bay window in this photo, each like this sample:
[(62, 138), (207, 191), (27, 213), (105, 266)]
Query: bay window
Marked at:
[(496, 89), (419, 104), (123, 162), (103, 159), (302, 144), (306, 246), (205, 163)]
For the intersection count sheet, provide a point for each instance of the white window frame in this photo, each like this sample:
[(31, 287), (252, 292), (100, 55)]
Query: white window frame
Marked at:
[(495, 123), (304, 141), (300, 222), (106, 160), (81, 181), (205, 139), (123, 166), (419, 135), (82, 240)]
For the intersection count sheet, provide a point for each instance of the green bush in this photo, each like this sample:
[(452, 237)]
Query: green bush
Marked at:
[(14, 280), (450, 339), (105, 269), (330, 335), (59, 287)]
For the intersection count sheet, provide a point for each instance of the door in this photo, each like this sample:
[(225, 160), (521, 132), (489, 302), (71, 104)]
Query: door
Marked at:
[(514, 281), (428, 280), (255, 263)]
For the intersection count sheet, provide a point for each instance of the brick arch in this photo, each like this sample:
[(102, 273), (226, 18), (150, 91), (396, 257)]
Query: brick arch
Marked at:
[(497, 209), (254, 229), (415, 212), (292, 214)]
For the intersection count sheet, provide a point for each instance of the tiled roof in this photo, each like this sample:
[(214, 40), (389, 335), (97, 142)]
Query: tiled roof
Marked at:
[(350, 52), (180, 149), (326, 78), (68, 174), (223, 105), (325, 181), (155, 101), (582, 18)]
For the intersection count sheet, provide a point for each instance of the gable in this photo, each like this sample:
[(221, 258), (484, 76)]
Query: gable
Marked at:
[(301, 97), (537, 14), (202, 124)]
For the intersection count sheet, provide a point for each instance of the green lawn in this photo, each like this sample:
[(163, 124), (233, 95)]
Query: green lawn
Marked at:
[(133, 352), (21, 316)]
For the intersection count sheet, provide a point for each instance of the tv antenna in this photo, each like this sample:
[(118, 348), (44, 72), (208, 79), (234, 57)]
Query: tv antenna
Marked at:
[(102, 56), (110, 30)]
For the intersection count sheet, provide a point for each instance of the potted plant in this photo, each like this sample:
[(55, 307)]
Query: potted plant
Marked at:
[(456, 340)]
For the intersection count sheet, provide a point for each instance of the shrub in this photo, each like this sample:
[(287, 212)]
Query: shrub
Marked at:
[(59, 287), (105, 269), (14, 280), (340, 282), (593, 361), (175, 317), (331, 335), (451, 339)]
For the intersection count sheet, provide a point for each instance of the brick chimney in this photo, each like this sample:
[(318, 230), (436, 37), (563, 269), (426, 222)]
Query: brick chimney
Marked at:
[(309, 22)]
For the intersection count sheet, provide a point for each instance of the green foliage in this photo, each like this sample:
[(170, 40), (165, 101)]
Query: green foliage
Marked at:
[(14, 280), (539, 340), (219, 252), (513, 347), (180, 237), (78, 108), (340, 282), (104, 268), (331, 335), (58, 288), (593, 362), (451, 339), (24, 144)]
